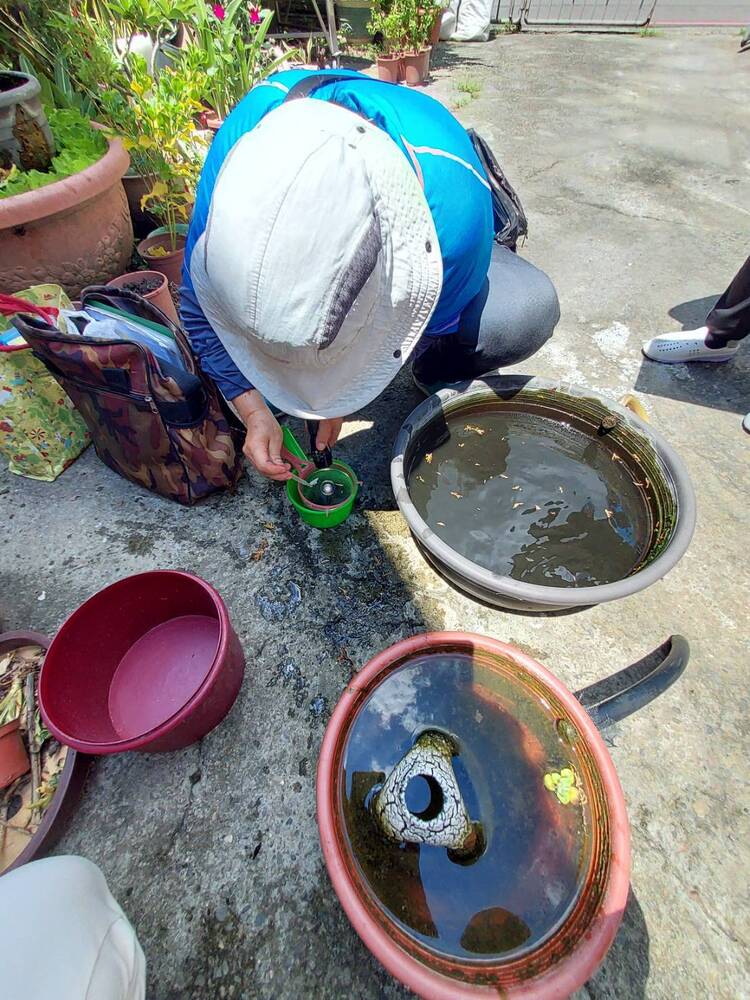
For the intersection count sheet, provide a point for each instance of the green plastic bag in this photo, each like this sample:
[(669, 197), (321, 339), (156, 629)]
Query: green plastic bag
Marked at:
[(41, 432)]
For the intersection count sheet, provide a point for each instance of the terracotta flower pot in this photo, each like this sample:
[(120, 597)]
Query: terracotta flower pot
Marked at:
[(14, 761), (390, 69), (166, 260), (417, 66), (75, 232), (160, 296)]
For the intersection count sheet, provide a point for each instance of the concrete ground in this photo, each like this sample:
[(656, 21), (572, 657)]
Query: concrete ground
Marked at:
[(632, 156)]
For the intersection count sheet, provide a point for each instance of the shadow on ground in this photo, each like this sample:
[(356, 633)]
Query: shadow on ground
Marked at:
[(723, 386)]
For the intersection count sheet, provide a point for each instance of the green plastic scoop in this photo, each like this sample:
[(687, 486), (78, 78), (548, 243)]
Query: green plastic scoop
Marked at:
[(323, 498)]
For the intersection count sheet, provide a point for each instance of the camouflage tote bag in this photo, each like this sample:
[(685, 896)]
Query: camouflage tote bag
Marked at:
[(162, 426)]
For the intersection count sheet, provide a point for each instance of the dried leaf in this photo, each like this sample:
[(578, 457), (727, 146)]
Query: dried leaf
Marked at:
[(458, 496), (502, 475), (518, 503), (269, 525), (462, 446), (428, 457), (474, 428), (515, 487), (420, 479), (260, 551)]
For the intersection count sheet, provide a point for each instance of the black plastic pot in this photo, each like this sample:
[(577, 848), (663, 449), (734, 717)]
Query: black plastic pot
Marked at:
[(671, 492)]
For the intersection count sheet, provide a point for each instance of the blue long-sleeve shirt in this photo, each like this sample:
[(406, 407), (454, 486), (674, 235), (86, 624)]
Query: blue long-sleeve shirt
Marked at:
[(437, 148)]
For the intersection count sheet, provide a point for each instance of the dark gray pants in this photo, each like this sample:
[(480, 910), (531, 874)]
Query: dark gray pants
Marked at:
[(513, 315), (730, 317)]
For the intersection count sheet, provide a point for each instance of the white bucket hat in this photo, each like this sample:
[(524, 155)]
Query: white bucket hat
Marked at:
[(320, 266)]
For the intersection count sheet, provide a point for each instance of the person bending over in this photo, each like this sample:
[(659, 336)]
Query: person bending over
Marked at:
[(342, 227)]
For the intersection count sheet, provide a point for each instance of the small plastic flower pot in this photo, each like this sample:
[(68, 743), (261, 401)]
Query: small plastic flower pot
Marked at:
[(165, 255), (390, 69), (150, 663), (14, 761), (160, 297), (416, 67)]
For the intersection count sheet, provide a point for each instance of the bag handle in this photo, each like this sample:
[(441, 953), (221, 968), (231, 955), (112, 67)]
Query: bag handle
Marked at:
[(10, 305)]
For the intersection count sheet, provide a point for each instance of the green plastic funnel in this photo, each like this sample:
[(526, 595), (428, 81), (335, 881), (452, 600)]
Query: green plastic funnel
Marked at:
[(338, 474)]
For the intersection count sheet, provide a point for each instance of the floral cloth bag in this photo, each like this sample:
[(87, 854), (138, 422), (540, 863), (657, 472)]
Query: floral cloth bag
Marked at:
[(41, 432)]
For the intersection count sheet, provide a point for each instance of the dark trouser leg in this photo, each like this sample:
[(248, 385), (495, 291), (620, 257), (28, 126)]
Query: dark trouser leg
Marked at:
[(730, 317), (513, 315)]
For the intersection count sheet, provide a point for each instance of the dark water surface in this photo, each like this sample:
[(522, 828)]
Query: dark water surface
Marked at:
[(537, 853), (532, 498)]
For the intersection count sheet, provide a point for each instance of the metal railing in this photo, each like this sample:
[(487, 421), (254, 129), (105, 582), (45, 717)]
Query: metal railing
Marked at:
[(576, 13)]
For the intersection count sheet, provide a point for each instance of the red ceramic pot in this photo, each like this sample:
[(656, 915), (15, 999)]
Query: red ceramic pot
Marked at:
[(565, 960), (149, 663)]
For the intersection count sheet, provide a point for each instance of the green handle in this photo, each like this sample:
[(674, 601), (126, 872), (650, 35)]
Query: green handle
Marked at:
[(292, 444)]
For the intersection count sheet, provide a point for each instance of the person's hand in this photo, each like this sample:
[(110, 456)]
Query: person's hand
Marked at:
[(263, 439), (328, 433)]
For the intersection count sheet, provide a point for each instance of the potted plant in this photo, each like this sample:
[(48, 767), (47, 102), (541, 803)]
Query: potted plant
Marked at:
[(67, 224), (172, 152), (228, 44), (403, 30), (386, 25), (417, 26)]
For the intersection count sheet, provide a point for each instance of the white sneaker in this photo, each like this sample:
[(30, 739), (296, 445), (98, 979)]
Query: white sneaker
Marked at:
[(688, 345)]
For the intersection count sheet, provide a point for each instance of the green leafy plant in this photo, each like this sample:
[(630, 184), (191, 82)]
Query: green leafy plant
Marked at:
[(162, 131), (469, 86), (401, 25), (77, 146), (229, 45)]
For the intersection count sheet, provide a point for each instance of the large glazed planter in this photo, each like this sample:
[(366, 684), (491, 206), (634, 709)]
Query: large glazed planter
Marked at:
[(672, 497), (75, 232)]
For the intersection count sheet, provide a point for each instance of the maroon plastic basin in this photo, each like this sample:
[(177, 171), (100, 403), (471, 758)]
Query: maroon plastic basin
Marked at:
[(149, 663)]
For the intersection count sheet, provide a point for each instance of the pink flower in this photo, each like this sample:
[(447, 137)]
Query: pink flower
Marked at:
[(254, 15), (218, 11)]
